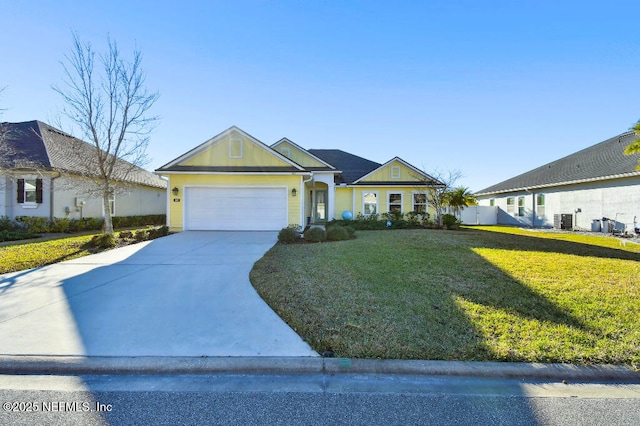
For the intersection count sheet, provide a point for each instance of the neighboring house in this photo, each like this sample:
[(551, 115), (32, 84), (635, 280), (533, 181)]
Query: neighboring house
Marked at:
[(235, 182), (573, 192), (41, 174)]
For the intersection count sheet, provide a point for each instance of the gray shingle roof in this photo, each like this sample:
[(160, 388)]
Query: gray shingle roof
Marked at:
[(601, 161), (34, 144), (352, 166)]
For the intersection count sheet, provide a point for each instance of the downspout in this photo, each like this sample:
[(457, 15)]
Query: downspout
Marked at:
[(51, 209)]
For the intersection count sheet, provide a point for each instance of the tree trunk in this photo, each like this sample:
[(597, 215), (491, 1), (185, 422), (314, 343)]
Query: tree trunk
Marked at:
[(108, 223)]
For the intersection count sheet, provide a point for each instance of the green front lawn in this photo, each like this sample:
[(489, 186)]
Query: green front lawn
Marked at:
[(17, 257), (476, 294)]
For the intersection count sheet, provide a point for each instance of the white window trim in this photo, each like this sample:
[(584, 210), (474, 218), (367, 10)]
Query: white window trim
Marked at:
[(286, 152), (112, 200), (389, 194), (377, 202), (523, 206), (232, 142), (541, 206), (511, 206), (413, 200), (395, 172), (29, 204)]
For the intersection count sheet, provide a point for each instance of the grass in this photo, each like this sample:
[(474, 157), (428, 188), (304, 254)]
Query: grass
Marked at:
[(18, 257), (498, 294)]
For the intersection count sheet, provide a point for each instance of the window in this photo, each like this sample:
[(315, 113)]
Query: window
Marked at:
[(520, 206), (540, 205), (492, 202), (112, 204), (369, 203), (511, 205), (286, 152), (235, 148), (395, 202), (29, 192), (419, 202), (395, 172)]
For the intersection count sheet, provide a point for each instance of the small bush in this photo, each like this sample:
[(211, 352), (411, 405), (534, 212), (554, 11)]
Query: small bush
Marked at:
[(141, 235), (288, 235), (337, 233), (315, 235), (124, 235), (161, 231), (103, 241), (16, 235), (450, 221)]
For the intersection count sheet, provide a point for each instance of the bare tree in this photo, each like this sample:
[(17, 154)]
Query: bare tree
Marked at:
[(108, 104), (438, 190)]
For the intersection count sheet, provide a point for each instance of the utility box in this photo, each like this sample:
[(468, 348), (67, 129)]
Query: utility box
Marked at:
[(563, 221), (566, 221), (596, 225)]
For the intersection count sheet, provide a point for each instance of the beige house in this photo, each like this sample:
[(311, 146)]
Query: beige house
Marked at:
[(236, 182)]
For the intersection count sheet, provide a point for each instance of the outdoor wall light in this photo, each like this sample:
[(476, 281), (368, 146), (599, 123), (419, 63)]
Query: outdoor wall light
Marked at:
[(175, 190), (294, 192)]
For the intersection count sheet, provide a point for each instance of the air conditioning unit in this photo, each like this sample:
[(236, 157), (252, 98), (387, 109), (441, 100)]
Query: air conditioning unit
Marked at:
[(80, 202)]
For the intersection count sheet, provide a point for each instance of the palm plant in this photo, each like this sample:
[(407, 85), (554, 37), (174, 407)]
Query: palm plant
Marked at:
[(459, 198)]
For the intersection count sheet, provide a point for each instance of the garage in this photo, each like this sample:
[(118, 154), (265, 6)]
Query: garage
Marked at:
[(235, 208)]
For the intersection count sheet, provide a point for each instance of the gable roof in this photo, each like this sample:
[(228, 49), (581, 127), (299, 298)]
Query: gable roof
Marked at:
[(36, 145), (605, 160), (176, 165), (426, 179), (305, 151), (352, 166)]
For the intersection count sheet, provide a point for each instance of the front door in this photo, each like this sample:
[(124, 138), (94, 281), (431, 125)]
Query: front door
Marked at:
[(320, 202)]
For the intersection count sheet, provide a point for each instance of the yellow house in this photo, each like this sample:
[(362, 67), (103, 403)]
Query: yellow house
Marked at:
[(233, 181)]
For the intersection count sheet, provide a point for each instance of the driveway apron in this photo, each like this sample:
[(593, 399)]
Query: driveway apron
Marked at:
[(187, 294)]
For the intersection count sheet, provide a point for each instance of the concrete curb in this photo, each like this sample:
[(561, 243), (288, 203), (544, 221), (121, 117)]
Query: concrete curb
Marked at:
[(74, 365)]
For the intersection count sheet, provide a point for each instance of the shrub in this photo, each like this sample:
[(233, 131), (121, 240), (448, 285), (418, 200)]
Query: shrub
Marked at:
[(158, 232), (36, 224), (315, 235), (337, 233), (288, 235), (450, 221), (125, 235), (141, 235), (15, 235), (351, 232), (103, 241)]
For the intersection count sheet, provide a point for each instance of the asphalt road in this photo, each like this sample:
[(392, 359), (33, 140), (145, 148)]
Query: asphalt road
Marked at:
[(310, 399)]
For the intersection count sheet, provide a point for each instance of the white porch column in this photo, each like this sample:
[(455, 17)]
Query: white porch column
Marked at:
[(331, 191)]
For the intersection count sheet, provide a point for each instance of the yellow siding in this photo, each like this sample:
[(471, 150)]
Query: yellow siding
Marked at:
[(343, 201), (384, 174), (218, 154), (180, 181), (299, 156), (383, 199)]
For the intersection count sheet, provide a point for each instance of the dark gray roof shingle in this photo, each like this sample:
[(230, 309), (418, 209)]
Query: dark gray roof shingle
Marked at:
[(34, 144), (601, 161), (352, 166)]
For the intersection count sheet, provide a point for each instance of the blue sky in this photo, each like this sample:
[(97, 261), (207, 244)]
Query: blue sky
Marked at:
[(492, 88)]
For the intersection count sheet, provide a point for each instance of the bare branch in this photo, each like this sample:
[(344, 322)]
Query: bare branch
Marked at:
[(110, 105)]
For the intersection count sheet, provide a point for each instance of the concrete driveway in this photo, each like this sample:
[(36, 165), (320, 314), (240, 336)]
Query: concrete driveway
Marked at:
[(187, 294)]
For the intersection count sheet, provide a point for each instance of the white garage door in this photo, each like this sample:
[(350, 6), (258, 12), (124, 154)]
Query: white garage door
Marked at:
[(235, 209)]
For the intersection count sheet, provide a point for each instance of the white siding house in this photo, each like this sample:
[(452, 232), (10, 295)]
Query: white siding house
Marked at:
[(574, 191), (40, 175)]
